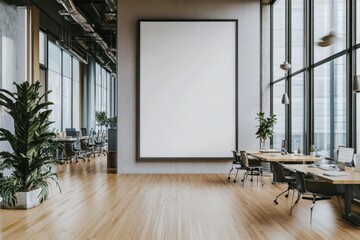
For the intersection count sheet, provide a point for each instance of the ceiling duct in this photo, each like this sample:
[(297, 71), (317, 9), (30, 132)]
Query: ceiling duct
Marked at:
[(74, 52), (80, 19), (111, 4)]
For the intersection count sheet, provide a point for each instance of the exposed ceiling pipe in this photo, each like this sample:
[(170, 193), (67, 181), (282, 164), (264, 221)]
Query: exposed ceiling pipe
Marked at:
[(80, 19), (72, 51), (111, 4)]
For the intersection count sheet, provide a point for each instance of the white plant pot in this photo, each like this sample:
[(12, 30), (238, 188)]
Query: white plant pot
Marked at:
[(26, 200), (312, 154)]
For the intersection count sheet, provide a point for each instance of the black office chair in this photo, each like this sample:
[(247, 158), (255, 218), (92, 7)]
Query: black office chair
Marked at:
[(83, 131), (282, 178), (70, 132), (252, 167), (319, 189), (236, 163)]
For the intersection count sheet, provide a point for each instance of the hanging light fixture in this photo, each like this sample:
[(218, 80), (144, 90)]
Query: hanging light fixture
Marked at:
[(356, 86), (327, 40), (285, 99), (286, 67)]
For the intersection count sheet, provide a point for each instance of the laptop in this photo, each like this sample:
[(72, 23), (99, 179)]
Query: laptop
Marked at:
[(345, 156), (331, 167)]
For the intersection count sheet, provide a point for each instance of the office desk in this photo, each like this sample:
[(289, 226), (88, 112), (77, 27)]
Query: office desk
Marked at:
[(353, 178), (65, 140), (288, 158)]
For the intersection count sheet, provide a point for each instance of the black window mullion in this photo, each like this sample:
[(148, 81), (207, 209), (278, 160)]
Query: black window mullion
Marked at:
[(72, 92), (62, 90), (287, 81)]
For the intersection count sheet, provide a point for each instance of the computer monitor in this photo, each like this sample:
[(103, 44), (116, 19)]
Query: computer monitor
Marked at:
[(70, 132), (345, 155)]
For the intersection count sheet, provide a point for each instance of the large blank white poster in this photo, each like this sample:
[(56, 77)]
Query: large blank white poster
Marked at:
[(187, 89)]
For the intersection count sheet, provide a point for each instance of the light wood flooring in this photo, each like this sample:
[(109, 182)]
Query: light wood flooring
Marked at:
[(97, 205)]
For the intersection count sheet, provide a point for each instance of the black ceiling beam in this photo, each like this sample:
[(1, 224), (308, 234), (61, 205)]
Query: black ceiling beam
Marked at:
[(91, 1), (17, 2)]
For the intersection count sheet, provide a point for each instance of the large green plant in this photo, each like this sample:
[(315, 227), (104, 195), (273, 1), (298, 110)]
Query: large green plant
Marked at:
[(31, 158), (265, 127)]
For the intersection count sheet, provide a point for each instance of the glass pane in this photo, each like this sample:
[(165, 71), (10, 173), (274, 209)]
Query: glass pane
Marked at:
[(357, 22), (329, 17), (98, 98), (54, 84), (103, 99), (76, 94), (42, 47), (330, 107), (297, 112), (278, 38), (98, 74), (108, 99), (297, 32), (279, 111), (54, 58), (66, 64), (67, 103)]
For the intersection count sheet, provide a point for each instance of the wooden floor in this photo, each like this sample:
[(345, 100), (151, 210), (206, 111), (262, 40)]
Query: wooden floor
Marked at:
[(97, 205)]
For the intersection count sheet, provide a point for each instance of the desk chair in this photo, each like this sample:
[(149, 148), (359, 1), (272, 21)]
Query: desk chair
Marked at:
[(83, 132), (319, 189), (252, 167), (281, 177), (237, 163), (71, 132)]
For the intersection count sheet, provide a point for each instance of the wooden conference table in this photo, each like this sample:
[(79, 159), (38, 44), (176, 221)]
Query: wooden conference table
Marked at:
[(349, 181), (288, 158), (278, 157)]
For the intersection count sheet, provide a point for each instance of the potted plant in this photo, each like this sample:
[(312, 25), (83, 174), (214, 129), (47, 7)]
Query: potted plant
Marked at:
[(111, 122), (312, 150), (31, 157), (265, 127), (101, 118)]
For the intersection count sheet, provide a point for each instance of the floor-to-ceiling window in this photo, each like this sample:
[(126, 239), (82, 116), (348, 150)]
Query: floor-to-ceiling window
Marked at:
[(102, 90), (63, 80), (54, 84), (278, 56), (315, 44)]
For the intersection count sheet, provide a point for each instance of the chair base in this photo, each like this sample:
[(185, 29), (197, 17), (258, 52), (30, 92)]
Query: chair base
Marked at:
[(352, 218)]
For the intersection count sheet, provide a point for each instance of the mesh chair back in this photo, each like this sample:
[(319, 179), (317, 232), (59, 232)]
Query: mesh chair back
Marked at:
[(300, 182), (84, 143), (236, 159), (244, 158), (69, 150), (279, 172), (83, 132)]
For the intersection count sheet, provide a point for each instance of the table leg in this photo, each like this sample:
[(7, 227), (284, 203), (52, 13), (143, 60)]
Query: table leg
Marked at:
[(353, 218)]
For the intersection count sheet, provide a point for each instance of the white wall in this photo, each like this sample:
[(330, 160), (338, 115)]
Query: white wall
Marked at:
[(248, 15)]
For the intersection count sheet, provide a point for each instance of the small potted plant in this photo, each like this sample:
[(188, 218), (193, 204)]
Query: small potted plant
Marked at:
[(265, 127), (312, 150)]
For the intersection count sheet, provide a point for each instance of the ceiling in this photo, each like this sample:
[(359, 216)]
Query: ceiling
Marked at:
[(88, 27)]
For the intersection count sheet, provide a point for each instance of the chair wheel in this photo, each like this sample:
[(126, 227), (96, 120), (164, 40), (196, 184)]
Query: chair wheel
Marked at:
[(228, 178), (287, 195), (251, 180), (234, 181), (276, 203)]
